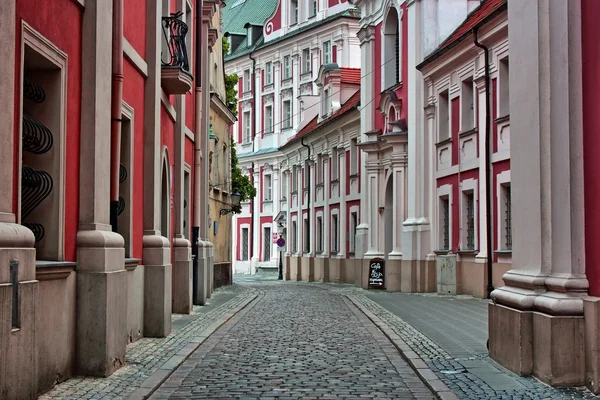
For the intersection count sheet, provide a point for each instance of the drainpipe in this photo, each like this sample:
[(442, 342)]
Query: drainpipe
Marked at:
[(488, 174), (253, 83), (116, 99), (308, 193), (197, 148)]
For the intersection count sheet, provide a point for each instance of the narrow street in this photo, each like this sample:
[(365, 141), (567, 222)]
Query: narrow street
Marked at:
[(291, 342)]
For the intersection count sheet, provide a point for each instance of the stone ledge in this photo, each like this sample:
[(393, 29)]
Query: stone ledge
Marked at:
[(51, 270)]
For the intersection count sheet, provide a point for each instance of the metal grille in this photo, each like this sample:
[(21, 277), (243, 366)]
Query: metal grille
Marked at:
[(508, 219), (267, 245), (470, 223), (245, 244), (446, 223), (174, 31)]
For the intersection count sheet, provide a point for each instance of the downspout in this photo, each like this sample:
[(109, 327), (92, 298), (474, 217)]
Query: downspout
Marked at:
[(197, 147), (488, 174), (116, 99), (253, 83), (308, 192)]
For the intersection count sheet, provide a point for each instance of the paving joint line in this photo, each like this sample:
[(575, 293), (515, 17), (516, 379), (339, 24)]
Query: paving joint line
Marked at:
[(418, 365), (156, 379)]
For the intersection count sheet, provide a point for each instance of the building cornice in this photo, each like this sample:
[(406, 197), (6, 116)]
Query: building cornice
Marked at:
[(217, 104)]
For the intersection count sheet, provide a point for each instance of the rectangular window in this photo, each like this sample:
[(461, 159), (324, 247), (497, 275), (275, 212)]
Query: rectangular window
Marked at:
[(295, 179), (247, 126), (287, 114), (467, 106), (314, 8), (319, 234), (294, 237), (267, 244), (269, 73), (284, 185), (294, 12), (353, 227), (444, 116), (354, 156), (306, 236), (325, 102), (215, 164), (470, 220), (287, 67), (305, 61), (334, 164), (445, 222), (507, 218), (267, 188), (245, 240), (247, 81), (503, 91), (306, 174), (268, 119), (319, 171), (334, 234), (327, 52)]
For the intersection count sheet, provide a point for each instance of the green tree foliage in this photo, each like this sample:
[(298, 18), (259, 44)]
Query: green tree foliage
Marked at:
[(231, 82), (240, 183)]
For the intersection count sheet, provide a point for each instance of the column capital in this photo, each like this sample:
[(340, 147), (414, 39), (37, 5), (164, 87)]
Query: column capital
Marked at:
[(366, 34)]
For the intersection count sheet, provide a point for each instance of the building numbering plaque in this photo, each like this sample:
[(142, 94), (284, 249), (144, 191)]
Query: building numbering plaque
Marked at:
[(377, 273)]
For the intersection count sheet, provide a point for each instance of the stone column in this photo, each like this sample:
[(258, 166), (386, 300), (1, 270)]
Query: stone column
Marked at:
[(535, 321), (101, 275), (372, 204), (483, 200), (156, 248), (343, 175), (367, 45), (18, 349)]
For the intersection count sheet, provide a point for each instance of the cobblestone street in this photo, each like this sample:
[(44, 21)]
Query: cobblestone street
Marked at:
[(296, 342)]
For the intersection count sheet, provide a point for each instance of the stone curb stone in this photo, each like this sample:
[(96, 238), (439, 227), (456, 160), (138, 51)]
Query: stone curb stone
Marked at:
[(416, 363), (154, 381)]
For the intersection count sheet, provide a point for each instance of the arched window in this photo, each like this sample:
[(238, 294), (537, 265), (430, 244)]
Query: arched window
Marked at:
[(391, 49)]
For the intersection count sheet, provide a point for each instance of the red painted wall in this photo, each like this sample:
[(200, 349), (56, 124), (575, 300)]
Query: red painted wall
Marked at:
[(50, 19), (274, 23), (590, 15), (134, 25)]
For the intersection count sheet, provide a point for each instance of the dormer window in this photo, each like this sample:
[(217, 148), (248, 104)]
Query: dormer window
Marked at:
[(293, 12), (249, 36)]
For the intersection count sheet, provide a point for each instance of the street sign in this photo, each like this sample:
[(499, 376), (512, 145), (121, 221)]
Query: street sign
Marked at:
[(377, 273), (281, 242), (275, 237)]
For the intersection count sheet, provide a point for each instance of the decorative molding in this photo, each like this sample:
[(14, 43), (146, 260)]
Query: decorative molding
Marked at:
[(52, 270), (189, 134), (81, 2), (168, 106), (132, 55)]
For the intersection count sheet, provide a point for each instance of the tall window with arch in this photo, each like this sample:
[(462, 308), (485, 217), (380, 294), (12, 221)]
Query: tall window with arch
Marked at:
[(391, 48)]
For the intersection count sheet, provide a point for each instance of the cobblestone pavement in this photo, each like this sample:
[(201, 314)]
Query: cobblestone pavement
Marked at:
[(296, 342), (147, 355)]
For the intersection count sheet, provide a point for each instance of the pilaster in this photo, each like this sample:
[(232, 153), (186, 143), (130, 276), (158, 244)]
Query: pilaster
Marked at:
[(481, 139)]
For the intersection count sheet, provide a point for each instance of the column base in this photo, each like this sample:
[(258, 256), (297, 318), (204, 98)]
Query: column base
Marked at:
[(157, 286), (393, 275), (591, 310), (334, 270), (210, 249), (307, 268), (201, 276), (286, 267), (510, 336), (101, 295), (182, 277)]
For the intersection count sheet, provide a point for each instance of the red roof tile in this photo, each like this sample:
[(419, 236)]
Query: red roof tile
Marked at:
[(486, 8), (351, 75), (313, 125)]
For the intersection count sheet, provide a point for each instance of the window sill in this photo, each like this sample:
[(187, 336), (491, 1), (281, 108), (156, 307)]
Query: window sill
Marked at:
[(286, 81), (336, 180), (294, 192), (441, 252), (443, 142), (268, 86), (469, 132), (52, 270), (312, 16), (333, 253), (267, 201), (247, 91), (505, 252), (354, 175), (286, 128), (270, 132), (305, 74), (319, 185), (246, 144), (467, 251), (502, 119)]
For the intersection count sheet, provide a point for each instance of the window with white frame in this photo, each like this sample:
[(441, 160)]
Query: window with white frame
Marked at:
[(353, 227), (295, 179), (443, 116), (506, 217), (293, 12), (305, 61), (268, 119), (287, 114), (245, 241), (334, 164), (325, 102), (267, 243), (319, 234), (306, 232), (469, 220), (284, 185), (247, 81), (313, 8), (391, 49), (306, 174), (269, 73), (327, 52), (287, 67), (444, 214), (294, 237), (503, 91), (335, 230), (247, 127), (319, 171), (467, 106), (267, 195), (354, 156)]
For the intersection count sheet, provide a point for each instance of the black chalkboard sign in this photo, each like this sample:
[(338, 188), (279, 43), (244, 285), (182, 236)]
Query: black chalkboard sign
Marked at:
[(377, 273)]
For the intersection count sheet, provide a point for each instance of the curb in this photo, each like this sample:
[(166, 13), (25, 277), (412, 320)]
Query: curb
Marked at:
[(428, 377), (154, 381)]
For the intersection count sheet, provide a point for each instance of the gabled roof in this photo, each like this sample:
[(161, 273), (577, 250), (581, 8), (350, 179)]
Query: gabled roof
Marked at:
[(486, 10), (351, 75), (351, 104)]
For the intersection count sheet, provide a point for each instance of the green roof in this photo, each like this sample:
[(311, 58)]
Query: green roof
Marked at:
[(258, 152), (256, 12)]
